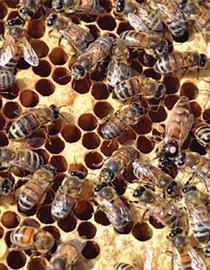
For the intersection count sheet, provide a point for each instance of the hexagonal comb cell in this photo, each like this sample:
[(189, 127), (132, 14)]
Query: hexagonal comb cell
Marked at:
[(77, 148)]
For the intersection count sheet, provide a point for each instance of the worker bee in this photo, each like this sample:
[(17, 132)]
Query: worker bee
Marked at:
[(138, 85), (119, 69), (141, 17), (28, 8), (186, 256), (31, 238), (94, 54), (6, 186), (121, 120), (66, 255), (15, 45), (24, 159), (178, 126), (7, 78), (67, 195), (117, 163), (198, 14), (33, 191), (31, 120), (114, 208), (172, 16), (163, 210), (156, 176), (201, 131), (198, 214), (180, 61), (194, 162), (88, 7), (124, 266), (152, 43), (75, 35)]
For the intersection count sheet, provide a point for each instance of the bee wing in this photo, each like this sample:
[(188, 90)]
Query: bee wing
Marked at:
[(200, 214), (29, 54), (185, 130), (35, 142), (7, 51), (197, 262), (137, 22), (149, 259)]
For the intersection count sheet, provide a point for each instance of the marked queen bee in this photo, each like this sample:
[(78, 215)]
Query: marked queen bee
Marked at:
[(93, 55), (24, 159), (87, 7), (34, 190), (178, 126), (31, 238), (162, 209), (75, 35), (117, 163), (180, 61), (186, 257), (121, 120), (66, 255), (198, 214), (67, 196), (153, 175), (114, 208)]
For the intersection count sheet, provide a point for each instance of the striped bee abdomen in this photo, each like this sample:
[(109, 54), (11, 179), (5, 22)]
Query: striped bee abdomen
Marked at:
[(124, 266), (113, 128), (201, 233), (7, 79), (31, 161), (202, 133), (23, 237)]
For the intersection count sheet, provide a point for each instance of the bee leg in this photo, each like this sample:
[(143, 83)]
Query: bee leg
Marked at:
[(60, 39), (43, 10), (143, 215)]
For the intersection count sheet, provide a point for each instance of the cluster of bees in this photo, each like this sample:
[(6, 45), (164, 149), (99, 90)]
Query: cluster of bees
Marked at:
[(157, 191)]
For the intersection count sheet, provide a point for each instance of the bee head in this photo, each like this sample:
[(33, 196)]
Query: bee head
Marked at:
[(58, 5), (55, 111), (203, 60), (138, 192), (180, 160), (15, 22), (100, 186), (172, 188), (165, 161), (162, 47), (51, 19), (107, 174), (138, 107), (78, 174), (120, 6), (175, 232), (78, 72), (26, 13), (171, 149), (6, 185), (44, 241), (5, 154), (59, 264), (188, 188), (160, 92)]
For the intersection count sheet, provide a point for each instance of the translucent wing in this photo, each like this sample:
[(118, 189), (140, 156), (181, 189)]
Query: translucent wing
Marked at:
[(62, 205), (197, 262), (137, 22), (29, 54), (185, 130), (200, 214), (7, 51), (149, 259)]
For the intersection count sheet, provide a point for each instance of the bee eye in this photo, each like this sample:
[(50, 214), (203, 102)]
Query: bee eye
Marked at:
[(100, 186), (160, 91), (120, 5), (79, 70), (111, 175), (172, 187), (203, 60), (138, 192)]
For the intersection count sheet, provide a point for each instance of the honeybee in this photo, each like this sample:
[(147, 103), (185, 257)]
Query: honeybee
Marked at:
[(152, 43), (119, 69), (198, 213), (178, 126), (199, 165), (186, 256), (75, 35), (141, 17), (67, 195), (121, 120), (163, 210), (31, 120), (6, 186), (172, 15), (117, 163), (66, 255), (156, 176), (24, 159), (28, 8), (124, 266), (198, 14), (116, 211), (94, 54), (180, 61), (31, 238), (201, 131), (88, 7), (15, 45), (7, 78), (138, 85), (35, 188)]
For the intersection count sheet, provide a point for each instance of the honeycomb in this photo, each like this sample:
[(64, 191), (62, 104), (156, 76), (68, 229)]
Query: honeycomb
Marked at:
[(78, 143)]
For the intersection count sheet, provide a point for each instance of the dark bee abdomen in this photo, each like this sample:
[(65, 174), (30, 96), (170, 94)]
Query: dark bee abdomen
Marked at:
[(12, 63), (202, 134), (30, 196), (124, 266), (201, 233), (113, 128), (7, 79), (23, 127), (127, 89)]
